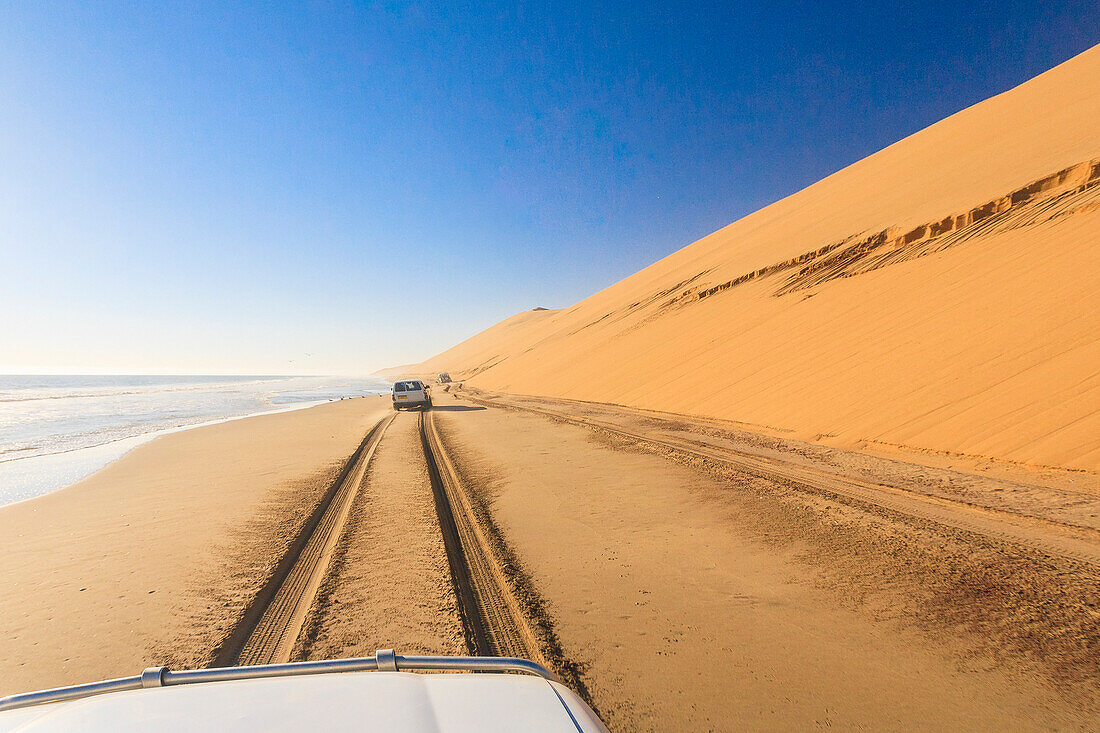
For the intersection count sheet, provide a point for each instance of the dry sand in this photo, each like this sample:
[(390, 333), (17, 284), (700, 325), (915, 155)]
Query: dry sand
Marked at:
[(695, 601), (938, 295), (690, 598), (390, 585), (152, 559)]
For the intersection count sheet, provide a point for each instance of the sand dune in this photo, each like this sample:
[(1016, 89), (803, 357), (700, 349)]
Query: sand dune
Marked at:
[(940, 294)]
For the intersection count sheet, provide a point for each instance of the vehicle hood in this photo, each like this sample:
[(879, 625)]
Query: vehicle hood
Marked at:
[(362, 701)]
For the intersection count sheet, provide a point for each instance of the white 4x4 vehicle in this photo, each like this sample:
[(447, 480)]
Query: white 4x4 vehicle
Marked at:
[(411, 393)]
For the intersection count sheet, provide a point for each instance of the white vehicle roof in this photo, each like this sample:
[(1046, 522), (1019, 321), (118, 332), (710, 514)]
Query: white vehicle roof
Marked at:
[(363, 701)]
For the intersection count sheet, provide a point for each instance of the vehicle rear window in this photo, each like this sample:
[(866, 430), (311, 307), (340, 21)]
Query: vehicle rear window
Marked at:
[(405, 386)]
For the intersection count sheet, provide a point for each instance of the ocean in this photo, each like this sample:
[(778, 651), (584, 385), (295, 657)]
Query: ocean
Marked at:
[(55, 430)]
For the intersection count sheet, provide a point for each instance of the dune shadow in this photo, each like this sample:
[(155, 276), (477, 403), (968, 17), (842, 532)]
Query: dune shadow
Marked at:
[(455, 408)]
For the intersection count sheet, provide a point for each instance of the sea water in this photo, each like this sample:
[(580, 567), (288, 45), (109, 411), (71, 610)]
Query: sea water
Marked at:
[(55, 430)]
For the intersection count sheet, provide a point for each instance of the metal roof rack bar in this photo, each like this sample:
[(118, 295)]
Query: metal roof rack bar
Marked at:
[(164, 677)]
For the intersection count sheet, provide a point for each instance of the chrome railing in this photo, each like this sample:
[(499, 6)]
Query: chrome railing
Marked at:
[(384, 660)]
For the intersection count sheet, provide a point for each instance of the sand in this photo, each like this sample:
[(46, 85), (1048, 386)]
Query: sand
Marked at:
[(689, 598), (390, 585), (939, 295), (151, 560), (695, 602)]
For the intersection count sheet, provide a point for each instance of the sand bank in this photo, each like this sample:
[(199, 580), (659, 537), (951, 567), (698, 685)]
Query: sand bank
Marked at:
[(938, 295), (150, 560)]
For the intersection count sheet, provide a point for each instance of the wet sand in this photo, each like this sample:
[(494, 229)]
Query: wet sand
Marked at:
[(152, 559)]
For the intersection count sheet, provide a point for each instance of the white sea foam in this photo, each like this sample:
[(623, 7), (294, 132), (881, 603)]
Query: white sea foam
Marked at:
[(55, 430)]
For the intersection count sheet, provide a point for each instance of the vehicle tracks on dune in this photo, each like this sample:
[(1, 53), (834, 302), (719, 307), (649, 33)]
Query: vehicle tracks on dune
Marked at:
[(1047, 537), (492, 616), (273, 621)]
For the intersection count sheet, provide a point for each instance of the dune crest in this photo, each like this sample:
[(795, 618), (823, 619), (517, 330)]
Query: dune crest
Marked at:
[(940, 295)]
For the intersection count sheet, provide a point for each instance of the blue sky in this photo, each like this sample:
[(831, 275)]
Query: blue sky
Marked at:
[(337, 187)]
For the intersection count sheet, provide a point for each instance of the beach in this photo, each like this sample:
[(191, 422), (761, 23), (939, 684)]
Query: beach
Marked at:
[(56, 430), (834, 465), (153, 559), (671, 585), (694, 596), (550, 367)]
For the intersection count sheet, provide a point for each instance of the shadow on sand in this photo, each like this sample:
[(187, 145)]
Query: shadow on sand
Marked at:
[(455, 408)]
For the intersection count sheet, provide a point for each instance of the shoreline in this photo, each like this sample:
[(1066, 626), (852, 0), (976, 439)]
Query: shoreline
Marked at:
[(95, 458), (83, 597), (603, 531)]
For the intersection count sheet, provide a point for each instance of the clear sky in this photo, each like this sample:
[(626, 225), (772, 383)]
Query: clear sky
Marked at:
[(336, 187)]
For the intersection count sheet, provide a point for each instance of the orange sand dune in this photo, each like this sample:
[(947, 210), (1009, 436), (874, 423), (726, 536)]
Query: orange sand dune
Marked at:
[(940, 294)]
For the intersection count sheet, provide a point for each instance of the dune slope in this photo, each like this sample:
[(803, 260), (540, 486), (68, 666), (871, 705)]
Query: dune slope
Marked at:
[(940, 294)]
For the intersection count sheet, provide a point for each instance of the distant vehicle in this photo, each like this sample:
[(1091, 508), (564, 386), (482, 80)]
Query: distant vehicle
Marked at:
[(368, 693), (411, 393), (444, 377)]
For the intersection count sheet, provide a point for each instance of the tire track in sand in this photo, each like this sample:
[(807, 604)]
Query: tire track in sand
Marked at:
[(273, 621), (1044, 536), (492, 617)]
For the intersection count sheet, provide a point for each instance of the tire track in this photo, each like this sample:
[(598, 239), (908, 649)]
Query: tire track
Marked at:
[(492, 617), (1047, 537), (273, 621)]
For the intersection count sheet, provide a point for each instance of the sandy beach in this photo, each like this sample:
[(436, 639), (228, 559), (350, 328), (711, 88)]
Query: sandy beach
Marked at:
[(390, 586), (836, 465), (693, 595), (152, 559), (674, 590)]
